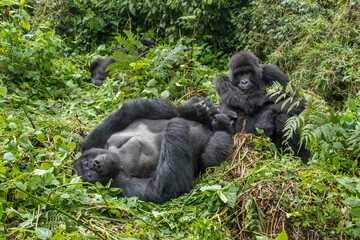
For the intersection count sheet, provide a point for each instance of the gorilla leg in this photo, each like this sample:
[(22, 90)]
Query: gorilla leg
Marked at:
[(174, 173), (216, 151), (265, 122), (198, 109)]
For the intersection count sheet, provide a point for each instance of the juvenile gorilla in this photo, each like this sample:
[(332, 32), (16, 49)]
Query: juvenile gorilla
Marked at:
[(98, 67), (153, 150), (243, 98)]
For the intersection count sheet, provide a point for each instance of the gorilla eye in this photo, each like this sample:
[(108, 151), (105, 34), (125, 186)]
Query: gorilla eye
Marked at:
[(86, 163)]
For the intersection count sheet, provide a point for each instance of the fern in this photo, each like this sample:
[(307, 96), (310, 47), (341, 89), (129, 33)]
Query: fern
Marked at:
[(166, 60), (130, 43), (318, 122), (354, 139), (54, 219), (288, 96)]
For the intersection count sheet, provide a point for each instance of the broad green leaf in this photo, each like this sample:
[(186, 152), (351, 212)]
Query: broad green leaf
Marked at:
[(9, 157), (72, 146), (42, 172), (352, 202), (282, 236), (43, 233), (25, 25)]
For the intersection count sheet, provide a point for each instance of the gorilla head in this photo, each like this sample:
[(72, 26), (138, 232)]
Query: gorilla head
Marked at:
[(98, 68), (98, 165), (245, 71)]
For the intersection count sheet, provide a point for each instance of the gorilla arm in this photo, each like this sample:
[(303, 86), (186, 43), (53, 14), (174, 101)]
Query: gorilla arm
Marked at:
[(234, 99), (198, 110), (271, 74), (119, 120)]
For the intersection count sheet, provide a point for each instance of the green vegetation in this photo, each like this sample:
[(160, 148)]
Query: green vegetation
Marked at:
[(259, 193)]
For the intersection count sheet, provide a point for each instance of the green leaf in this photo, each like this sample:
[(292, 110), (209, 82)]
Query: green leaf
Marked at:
[(352, 104), (3, 91), (42, 172), (282, 236), (352, 202), (338, 145), (43, 233), (9, 157), (165, 94), (210, 188), (1, 211), (72, 146), (25, 25)]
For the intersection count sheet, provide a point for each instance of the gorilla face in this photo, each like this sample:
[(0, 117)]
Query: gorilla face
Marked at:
[(242, 78), (245, 71), (98, 165)]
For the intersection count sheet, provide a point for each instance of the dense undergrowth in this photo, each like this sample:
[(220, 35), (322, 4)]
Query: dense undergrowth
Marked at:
[(259, 193)]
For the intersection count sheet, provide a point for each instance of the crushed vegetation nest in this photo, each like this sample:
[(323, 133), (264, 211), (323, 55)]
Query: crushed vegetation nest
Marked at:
[(268, 205)]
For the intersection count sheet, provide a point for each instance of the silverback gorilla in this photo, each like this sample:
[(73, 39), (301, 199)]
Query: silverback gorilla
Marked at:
[(153, 150), (98, 67), (243, 98)]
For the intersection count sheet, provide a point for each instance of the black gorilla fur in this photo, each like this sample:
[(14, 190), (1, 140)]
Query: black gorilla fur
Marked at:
[(98, 70), (243, 98), (153, 150), (98, 67)]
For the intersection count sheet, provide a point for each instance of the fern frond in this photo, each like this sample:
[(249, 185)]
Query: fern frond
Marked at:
[(292, 125), (295, 104), (127, 44), (354, 139)]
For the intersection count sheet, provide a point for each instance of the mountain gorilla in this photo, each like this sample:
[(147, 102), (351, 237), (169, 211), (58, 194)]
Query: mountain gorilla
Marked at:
[(98, 70), (98, 67), (243, 98), (153, 150)]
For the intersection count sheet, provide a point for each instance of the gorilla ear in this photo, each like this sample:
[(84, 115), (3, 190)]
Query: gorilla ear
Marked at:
[(77, 168)]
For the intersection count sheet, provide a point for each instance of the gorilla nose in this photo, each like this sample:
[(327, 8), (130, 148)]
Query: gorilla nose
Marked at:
[(244, 81)]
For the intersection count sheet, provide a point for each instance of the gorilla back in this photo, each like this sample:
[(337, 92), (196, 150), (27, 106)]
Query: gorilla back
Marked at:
[(155, 155)]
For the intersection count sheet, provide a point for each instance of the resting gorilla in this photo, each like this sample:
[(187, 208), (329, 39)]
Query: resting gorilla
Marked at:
[(153, 150), (99, 66), (243, 98)]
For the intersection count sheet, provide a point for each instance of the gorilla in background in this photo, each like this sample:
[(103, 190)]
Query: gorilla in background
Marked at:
[(99, 65), (243, 98), (98, 70), (147, 44), (153, 150)]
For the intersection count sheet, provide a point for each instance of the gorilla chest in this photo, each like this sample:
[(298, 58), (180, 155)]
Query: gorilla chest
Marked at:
[(138, 147)]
